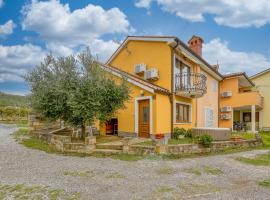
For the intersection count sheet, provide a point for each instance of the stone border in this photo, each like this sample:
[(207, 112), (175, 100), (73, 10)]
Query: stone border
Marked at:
[(215, 147), (65, 144)]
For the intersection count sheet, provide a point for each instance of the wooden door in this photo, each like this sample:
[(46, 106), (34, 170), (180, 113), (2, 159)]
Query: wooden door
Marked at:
[(144, 118)]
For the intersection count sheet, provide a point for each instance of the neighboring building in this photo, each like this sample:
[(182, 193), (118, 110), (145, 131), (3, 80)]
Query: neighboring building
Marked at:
[(239, 104), (262, 84), (171, 86)]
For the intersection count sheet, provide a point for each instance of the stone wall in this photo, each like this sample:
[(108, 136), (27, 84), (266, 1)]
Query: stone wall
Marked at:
[(65, 144), (36, 123), (139, 150), (216, 147)]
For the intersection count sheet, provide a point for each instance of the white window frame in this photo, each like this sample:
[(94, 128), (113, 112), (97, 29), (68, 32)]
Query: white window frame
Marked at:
[(174, 112), (205, 117), (136, 121)]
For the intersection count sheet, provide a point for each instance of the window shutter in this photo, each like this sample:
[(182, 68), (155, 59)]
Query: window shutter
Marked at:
[(209, 117)]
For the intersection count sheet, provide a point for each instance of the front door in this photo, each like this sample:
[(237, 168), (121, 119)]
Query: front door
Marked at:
[(144, 118)]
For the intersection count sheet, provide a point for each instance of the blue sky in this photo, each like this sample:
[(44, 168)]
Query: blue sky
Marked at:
[(235, 33)]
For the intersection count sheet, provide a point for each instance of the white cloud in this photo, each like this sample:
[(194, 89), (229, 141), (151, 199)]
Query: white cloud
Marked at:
[(16, 60), (7, 28), (64, 30), (234, 61), (232, 13), (143, 3), (103, 49), (1, 3)]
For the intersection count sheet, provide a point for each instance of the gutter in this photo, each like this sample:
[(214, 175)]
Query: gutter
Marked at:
[(172, 83)]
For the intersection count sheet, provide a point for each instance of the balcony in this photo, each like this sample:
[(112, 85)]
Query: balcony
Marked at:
[(248, 99), (190, 85)]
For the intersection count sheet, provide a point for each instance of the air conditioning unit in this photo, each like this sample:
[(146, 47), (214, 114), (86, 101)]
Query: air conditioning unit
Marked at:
[(140, 68), (226, 94), (151, 74), (226, 109), (225, 116)]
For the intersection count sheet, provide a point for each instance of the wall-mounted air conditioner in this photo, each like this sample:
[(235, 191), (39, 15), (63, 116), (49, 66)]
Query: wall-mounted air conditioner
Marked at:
[(226, 94), (225, 116), (151, 74), (140, 68), (226, 109)]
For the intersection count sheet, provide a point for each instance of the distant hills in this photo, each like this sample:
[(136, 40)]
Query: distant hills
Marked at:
[(13, 100)]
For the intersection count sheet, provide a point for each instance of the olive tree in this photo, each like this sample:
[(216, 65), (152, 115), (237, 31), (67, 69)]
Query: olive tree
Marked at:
[(75, 89)]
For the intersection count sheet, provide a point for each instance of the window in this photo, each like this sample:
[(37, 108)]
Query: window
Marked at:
[(184, 70), (209, 117), (214, 86), (182, 113), (145, 114)]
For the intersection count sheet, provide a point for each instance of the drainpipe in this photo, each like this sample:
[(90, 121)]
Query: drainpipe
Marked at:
[(218, 103), (172, 83)]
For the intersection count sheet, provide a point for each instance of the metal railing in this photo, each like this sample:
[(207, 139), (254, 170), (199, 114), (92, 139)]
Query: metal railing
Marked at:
[(191, 83)]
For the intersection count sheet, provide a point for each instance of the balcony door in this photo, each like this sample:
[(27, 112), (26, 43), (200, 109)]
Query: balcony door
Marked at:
[(184, 72)]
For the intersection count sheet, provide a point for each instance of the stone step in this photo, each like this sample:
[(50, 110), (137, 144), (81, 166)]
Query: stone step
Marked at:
[(74, 146), (107, 151), (109, 146)]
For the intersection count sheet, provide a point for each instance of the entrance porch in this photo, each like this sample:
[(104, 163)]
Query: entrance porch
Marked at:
[(247, 118)]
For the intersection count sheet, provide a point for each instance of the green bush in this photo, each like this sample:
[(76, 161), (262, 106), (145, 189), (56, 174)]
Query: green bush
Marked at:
[(205, 140), (177, 132), (188, 133), (181, 131)]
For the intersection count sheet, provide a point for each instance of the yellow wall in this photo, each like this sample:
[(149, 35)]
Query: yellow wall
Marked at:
[(238, 99), (153, 54), (263, 86), (210, 99), (126, 117), (159, 55), (162, 114), (193, 112)]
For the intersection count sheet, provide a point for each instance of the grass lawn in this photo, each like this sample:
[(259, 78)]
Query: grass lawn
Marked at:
[(145, 143), (263, 159), (185, 140), (245, 136), (266, 139), (265, 183), (18, 123), (23, 192), (25, 138)]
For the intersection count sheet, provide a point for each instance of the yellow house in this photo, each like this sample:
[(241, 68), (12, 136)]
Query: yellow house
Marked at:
[(240, 106), (262, 84), (171, 86)]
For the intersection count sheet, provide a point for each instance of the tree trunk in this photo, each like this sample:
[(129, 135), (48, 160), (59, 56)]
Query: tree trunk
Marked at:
[(83, 131)]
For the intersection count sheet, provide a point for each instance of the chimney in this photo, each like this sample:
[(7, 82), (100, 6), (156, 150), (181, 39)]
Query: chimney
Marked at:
[(195, 43), (216, 67)]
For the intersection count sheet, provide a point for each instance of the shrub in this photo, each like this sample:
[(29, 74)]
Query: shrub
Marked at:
[(181, 131), (205, 140), (177, 132), (188, 133)]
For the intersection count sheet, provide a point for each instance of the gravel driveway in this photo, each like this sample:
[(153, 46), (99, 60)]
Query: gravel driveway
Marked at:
[(213, 177)]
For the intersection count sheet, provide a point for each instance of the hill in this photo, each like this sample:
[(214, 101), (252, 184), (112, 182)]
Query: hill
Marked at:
[(13, 100)]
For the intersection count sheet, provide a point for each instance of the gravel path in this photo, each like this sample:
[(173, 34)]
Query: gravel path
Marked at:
[(213, 177)]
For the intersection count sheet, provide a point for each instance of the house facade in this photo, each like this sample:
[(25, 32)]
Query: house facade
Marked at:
[(262, 84), (241, 106), (171, 86)]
